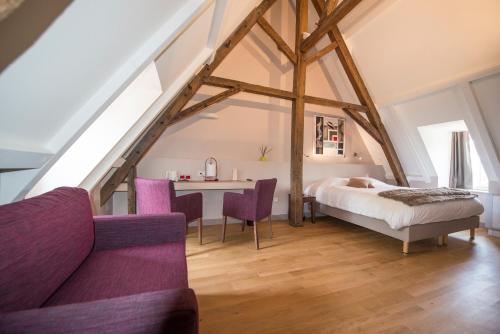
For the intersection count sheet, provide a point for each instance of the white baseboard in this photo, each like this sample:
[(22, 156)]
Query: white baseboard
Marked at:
[(494, 233)]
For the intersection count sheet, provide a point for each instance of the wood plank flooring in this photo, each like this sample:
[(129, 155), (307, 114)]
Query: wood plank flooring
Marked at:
[(335, 277)]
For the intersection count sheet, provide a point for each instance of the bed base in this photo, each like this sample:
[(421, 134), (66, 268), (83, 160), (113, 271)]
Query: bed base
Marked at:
[(410, 233)]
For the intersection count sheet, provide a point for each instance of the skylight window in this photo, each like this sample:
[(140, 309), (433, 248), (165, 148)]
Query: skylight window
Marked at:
[(438, 143)]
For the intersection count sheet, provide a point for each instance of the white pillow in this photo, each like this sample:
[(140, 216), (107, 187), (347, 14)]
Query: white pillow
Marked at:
[(375, 183), (312, 188)]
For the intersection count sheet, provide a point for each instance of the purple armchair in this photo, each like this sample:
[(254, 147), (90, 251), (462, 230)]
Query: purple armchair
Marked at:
[(64, 271), (253, 204), (158, 197)]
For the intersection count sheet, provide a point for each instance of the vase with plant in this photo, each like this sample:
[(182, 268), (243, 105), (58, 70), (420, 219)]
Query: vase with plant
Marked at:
[(264, 151)]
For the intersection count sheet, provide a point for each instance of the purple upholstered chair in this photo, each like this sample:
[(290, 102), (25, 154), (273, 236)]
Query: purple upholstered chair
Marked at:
[(158, 197), (64, 271), (253, 204)]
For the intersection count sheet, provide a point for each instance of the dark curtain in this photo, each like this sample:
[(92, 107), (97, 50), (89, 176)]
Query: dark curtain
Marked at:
[(460, 166)]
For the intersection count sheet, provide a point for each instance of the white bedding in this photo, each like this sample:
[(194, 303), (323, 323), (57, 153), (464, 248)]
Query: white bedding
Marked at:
[(365, 201)]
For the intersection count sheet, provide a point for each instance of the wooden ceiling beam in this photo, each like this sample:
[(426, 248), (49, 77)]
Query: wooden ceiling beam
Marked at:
[(364, 96), (364, 123), (333, 103), (248, 87), (196, 108), (280, 43), (328, 22), (330, 6), (278, 93), (373, 116), (140, 147), (320, 53)]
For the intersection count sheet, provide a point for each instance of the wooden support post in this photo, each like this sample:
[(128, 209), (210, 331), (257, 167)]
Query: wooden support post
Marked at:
[(297, 133), (131, 195)]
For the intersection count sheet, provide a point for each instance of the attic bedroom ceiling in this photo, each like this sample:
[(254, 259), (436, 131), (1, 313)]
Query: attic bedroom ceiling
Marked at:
[(387, 39)]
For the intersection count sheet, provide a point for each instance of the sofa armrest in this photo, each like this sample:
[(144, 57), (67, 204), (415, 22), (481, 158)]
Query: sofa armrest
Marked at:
[(167, 311), (138, 230)]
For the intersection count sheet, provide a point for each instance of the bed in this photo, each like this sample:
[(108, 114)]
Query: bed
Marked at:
[(364, 207)]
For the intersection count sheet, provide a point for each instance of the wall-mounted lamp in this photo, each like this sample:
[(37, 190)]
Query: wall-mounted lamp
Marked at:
[(208, 116), (357, 156)]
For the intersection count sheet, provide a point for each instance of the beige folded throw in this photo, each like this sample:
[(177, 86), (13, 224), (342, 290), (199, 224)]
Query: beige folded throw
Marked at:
[(413, 197)]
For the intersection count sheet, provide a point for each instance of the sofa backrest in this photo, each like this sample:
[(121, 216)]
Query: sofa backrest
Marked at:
[(43, 240)]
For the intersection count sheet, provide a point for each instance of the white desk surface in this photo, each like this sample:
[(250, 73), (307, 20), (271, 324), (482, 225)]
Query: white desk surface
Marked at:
[(213, 185), (205, 185)]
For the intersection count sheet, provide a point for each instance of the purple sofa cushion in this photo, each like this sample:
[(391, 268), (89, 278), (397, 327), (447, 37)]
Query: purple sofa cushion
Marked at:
[(166, 311), (125, 271), (43, 240)]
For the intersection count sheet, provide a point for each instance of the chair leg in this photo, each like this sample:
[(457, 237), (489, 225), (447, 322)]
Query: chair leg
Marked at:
[(472, 233), (200, 230), (270, 227), (224, 229), (243, 223), (256, 235)]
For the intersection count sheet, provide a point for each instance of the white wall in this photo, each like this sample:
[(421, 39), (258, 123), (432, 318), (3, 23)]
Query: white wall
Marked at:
[(487, 93), (449, 105), (155, 167)]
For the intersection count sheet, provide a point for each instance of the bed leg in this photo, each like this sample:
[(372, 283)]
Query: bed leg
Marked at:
[(445, 239), (472, 233), (406, 247), (440, 240)]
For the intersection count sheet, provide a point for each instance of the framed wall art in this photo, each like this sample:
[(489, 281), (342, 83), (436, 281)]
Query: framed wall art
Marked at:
[(329, 135)]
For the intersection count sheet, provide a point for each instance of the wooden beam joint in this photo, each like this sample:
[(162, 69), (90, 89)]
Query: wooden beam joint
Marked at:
[(320, 53), (365, 124), (328, 22)]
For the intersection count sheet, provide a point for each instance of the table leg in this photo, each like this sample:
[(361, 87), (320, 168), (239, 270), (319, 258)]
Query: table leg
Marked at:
[(312, 206)]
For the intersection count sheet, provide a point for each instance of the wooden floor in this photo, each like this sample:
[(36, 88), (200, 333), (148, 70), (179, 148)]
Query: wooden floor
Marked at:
[(334, 277)]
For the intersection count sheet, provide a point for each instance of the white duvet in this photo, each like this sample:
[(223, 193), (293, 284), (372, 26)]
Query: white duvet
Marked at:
[(365, 201)]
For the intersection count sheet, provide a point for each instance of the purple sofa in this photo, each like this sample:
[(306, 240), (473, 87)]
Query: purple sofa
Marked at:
[(64, 271)]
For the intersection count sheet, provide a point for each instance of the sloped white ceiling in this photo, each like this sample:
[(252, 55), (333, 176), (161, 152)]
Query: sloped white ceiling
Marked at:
[(409, 47), (51, 81)]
